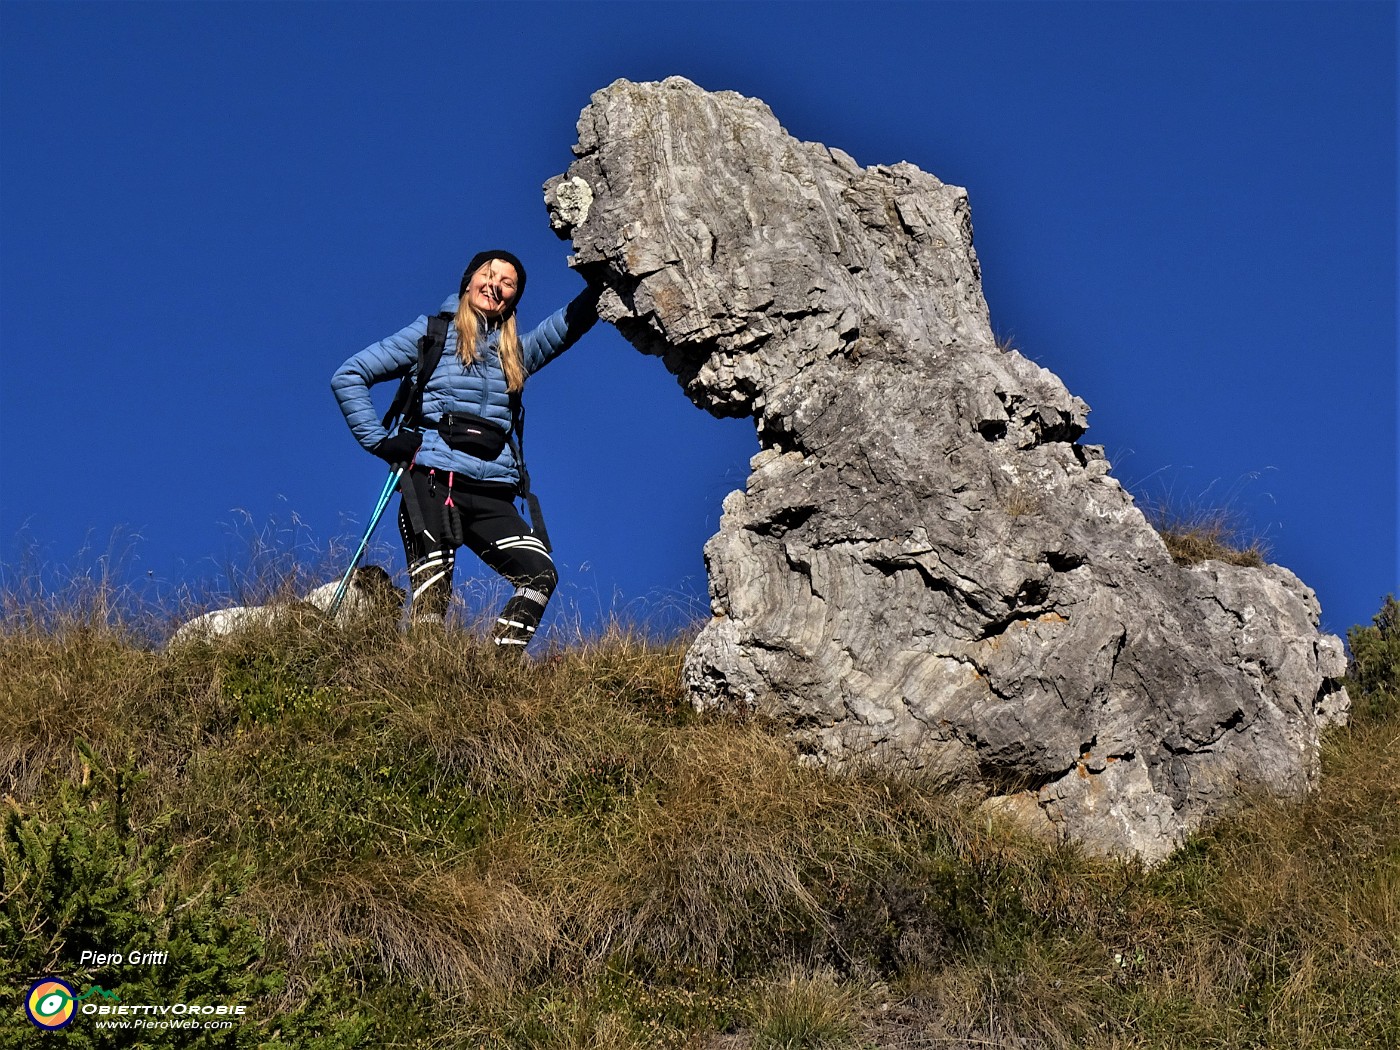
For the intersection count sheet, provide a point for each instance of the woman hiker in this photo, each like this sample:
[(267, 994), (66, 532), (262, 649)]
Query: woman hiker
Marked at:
[(464, 472)]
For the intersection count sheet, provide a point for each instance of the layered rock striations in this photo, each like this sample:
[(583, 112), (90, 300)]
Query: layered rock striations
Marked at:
[(927, 569)]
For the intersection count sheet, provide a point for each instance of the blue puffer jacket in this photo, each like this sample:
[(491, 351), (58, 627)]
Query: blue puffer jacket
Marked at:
[(479, 389)]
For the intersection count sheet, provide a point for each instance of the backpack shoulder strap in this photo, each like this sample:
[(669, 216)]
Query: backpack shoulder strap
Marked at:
[(407, 406)]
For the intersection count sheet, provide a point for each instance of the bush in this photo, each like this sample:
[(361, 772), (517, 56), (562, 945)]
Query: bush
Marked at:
[(1373, 679), (77, 875)]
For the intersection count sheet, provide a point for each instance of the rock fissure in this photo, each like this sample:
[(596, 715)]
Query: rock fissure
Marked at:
[(997, 628), (841, 309)]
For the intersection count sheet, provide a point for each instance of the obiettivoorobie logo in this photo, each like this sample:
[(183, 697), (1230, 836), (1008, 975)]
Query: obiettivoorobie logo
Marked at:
[(50, 1003)]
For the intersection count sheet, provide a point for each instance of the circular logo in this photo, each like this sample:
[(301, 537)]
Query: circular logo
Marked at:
[(49, 1003)]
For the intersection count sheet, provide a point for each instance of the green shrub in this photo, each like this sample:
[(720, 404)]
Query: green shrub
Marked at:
[(76, 874), (1373, 679)]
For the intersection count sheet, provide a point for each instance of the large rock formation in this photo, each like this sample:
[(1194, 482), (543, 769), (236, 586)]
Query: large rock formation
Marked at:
[(927, 569)]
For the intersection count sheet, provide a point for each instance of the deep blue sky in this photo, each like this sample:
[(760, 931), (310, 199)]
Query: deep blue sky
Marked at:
[(1185, 210)]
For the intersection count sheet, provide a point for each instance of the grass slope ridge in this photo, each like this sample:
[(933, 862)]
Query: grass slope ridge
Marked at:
[(380, 840)]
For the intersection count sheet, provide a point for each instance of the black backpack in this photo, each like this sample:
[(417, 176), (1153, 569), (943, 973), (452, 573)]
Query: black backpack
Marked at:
[(406, 410)]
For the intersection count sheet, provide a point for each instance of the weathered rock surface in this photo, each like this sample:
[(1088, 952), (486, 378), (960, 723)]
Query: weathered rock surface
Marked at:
[(927, 569)]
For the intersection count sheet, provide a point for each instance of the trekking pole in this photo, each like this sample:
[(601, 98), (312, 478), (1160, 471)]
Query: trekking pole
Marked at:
[(379, 507)]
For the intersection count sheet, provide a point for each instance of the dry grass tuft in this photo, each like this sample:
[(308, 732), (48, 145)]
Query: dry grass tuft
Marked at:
[(1197, 535), (803, 1010)]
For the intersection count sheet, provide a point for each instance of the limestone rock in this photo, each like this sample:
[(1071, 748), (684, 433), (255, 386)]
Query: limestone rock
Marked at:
[(927, 569)]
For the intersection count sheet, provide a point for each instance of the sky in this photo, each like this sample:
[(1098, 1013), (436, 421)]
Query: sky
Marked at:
[(1187, 211)]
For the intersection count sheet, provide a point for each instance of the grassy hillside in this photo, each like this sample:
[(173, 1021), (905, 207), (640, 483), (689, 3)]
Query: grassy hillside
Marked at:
[(377, 840)]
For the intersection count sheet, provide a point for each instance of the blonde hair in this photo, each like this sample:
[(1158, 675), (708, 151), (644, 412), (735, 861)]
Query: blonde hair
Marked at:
[(470, 323)]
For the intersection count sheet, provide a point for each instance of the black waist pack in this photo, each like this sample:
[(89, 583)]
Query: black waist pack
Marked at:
[(473, 435)]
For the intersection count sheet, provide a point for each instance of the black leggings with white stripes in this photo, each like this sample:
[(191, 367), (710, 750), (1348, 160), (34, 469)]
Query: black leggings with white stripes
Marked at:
[(482, 518)]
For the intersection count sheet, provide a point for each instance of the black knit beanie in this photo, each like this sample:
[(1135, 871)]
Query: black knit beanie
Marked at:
[(480, 259)]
